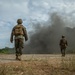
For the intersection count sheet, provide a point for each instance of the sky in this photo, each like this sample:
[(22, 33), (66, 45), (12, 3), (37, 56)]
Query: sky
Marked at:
[(31, 11)]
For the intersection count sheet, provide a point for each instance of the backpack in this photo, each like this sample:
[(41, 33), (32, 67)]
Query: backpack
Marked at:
[(18, 30), (63, 42)]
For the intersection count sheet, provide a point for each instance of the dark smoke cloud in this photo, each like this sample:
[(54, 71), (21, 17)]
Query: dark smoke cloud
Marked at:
[(45, 38)]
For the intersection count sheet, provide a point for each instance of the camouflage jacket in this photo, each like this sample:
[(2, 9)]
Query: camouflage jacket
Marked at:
[(63, 42), (19, 36)]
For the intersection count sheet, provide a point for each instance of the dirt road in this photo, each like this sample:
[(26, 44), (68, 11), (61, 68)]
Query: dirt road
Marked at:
[(37, 64), (4, 58)]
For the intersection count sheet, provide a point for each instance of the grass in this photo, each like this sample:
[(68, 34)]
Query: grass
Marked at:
[(39, 67), (4, 51), (68, 64)]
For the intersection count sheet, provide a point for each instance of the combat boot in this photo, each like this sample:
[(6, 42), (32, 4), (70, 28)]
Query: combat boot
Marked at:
[(19, 57), (63, 55), (16, 57)]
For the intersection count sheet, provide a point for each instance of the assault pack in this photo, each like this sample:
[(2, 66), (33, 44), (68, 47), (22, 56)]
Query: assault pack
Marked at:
[(18, 30), (63, 42)]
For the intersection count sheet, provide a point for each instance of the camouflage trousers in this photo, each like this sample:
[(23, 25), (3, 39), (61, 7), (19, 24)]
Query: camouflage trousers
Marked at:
[(63, 48), (19, 45)]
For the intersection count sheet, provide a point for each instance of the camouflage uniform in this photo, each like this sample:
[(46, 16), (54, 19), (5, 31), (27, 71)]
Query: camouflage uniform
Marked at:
[(19, 40), (63, 44)]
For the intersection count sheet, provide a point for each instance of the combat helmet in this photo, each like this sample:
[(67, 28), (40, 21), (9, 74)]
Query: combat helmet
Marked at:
[(19, 21), (63, 36)]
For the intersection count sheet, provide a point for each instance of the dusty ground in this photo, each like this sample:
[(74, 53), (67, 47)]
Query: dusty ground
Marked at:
[(36, 64), (4, 58)]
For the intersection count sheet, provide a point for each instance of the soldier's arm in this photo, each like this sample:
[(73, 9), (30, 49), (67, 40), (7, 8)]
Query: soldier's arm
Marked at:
[(25, 33), (66, 43), (11, 37), (60, 42)]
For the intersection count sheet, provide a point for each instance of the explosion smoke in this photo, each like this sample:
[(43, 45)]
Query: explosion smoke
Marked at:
[(45, 38)]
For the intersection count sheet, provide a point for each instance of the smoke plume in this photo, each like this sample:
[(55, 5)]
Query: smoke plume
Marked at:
[(45, 38)]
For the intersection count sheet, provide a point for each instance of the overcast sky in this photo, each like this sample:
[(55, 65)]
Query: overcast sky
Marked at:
[(31, 11)]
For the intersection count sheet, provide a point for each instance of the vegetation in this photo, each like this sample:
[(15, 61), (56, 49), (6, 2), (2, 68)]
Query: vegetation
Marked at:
[(7, 50), (4, 50), (68, 64), (39, 67)]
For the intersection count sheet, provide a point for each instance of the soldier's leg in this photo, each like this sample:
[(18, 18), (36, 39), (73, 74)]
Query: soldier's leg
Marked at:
[(17, 48), (20, 53), (17, 53), (64, 52), (61, 51), (20, 47)]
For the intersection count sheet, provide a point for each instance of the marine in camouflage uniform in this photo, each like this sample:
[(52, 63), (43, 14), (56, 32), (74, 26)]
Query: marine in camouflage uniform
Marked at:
[(19, 40), (63, 44)]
